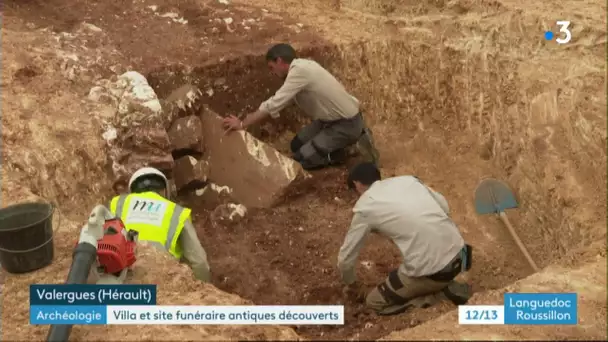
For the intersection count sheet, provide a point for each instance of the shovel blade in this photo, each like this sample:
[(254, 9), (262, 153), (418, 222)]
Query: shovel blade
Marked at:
[(493, 196)]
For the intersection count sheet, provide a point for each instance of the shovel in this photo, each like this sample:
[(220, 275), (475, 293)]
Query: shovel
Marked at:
[(493, 197)]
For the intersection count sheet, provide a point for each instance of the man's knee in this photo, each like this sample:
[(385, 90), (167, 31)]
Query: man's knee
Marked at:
[(311, 157), (393, 296), (296, 144), (383, 304)]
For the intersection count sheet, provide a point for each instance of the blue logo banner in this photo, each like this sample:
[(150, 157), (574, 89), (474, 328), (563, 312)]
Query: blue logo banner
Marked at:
[(77, 294), (541, 308), (68, 314)]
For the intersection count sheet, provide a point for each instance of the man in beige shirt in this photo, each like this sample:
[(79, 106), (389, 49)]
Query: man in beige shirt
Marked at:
[(337, 120), (416, 219), (148, 186)]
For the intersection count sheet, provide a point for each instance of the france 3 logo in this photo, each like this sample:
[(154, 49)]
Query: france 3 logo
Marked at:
[(564, 30)]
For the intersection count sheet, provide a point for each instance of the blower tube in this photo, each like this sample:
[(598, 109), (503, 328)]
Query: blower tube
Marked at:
[(83, 258)]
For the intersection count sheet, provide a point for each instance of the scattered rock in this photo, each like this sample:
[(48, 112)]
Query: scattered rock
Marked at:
[(229, 213), (99, 94), (70, 69), (110, 134), (91, 27), (367, 264), (258, 173), (187, 134), (137, 102), (174, 17), (189, 171), (138, 95)]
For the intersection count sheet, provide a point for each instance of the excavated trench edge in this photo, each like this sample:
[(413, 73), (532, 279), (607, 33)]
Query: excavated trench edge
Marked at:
[(165, 79)]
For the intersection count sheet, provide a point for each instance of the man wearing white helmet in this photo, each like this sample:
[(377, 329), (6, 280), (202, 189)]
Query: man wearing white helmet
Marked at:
[(160, 221)]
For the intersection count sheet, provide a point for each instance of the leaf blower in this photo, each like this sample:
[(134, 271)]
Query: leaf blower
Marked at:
[(104, 240), (116, 249)]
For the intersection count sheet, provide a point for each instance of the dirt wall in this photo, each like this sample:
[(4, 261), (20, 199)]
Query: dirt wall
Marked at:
[(53, 150), (493, 114), (473, 84)]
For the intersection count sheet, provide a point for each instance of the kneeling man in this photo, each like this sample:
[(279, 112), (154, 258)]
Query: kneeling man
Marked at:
[(416, 219)]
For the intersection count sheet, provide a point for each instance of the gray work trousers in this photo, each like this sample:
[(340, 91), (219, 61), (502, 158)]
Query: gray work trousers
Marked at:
[(318, 144)]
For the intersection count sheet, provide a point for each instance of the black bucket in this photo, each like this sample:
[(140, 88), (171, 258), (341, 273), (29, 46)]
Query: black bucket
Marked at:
[(26, 237)]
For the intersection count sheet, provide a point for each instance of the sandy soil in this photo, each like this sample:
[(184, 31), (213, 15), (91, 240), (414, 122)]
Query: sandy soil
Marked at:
[(454, 91)]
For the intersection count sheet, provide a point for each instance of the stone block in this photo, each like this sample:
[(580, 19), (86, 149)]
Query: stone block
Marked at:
[(186, 134), (189, 172), (147, 139), (181, 102), (258, 174), (139, 147)]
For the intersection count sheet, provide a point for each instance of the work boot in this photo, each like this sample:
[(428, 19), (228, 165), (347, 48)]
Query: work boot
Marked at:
[(365, 146), (458, 293), (337, 157)]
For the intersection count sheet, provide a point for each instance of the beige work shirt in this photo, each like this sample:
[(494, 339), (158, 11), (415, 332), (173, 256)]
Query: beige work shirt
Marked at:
[(193, 252), (413, 216), (317, 92)]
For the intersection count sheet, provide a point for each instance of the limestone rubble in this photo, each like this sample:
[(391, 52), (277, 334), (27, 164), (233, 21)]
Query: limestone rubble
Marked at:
[(144, 135)]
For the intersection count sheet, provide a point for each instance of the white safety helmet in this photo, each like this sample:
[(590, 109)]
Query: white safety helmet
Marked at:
[(146, 172)]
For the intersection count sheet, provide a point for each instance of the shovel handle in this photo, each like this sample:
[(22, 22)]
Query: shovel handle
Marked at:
[(521, 246)]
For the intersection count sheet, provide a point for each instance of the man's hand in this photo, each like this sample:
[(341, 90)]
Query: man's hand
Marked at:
[(232, 123), (355, 291)]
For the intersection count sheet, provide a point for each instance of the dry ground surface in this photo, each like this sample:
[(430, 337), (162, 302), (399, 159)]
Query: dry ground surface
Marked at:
[(454, 91)]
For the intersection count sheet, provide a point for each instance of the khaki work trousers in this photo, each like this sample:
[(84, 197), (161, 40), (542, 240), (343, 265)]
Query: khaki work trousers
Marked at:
[(399, 292)]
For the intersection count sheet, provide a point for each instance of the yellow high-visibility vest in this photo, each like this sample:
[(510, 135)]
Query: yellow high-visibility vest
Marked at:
[(155, 218)]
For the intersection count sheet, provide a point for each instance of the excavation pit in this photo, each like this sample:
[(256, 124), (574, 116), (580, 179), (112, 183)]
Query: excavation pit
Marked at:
[(448, 117), (471, 89)]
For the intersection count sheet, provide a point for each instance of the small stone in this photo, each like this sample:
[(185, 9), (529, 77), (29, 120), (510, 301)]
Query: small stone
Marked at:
[(91, 27), (213, 195), (229, 213), (99, 94)]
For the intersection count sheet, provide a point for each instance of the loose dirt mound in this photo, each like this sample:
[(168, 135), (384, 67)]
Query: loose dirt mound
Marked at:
[(589, 282), (175, 287), (53, 150)]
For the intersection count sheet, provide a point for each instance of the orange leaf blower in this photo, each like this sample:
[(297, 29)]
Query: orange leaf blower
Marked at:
[(116, 249), (104, 241)]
